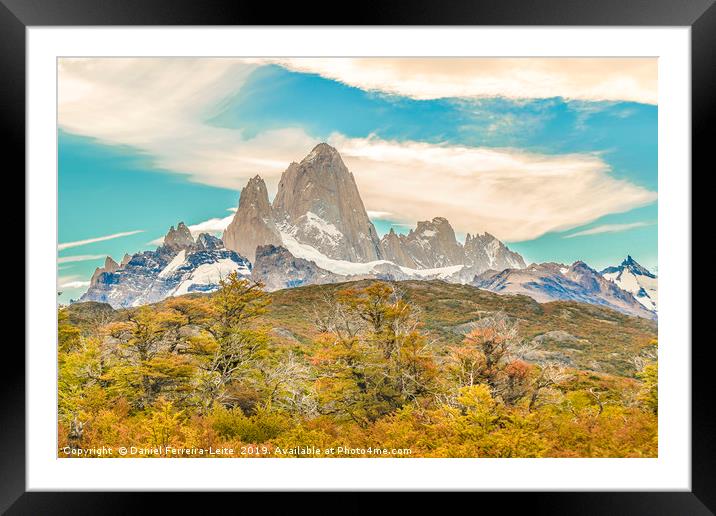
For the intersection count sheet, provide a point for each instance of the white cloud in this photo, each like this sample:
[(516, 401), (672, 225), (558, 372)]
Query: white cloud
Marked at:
[(609, 228), (214, 226), (78, 243), (75, 284), (73, 281), (512, 194), (160, 106), (80, 258), (631, 79), (380, 215)]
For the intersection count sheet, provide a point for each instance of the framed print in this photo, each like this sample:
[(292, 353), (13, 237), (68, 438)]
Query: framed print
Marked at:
[(434, 250)]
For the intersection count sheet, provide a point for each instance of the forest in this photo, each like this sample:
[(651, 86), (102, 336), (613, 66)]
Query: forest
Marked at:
[(211, 375)]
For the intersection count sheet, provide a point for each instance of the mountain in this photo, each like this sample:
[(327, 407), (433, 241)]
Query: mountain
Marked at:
[(484, 252), (318, 216), (179, 266), (546, 282), (317, 231), (110, 266), (179, 238), (636, 279), (253, 224), (430, 245), (277, 269), (318, 204)]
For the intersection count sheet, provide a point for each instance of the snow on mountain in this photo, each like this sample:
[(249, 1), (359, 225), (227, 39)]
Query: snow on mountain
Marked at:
[(319, 204), (637, 280), (206, 277), (172, 266), (317, 230), (179, 266), (545, 282), (375, 268)]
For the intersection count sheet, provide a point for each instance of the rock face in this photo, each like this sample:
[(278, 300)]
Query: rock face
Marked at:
[(394, 250), (637, 280), (277, 269), (430, 245), (109, 266), (483, 252), (253, 224), (179, 266), (318, 204), (318, 215), (317, 231), (179, 238), (552, 282)]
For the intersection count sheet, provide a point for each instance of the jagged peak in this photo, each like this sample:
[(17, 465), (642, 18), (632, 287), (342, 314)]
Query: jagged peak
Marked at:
[(110, 265), (634, 266), (321, 151), (580, 265), (255, 190), (179, 238), (255, 181), (207, 241)]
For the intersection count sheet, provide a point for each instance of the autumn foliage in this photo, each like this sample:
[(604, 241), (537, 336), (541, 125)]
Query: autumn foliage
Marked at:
[(206, 371)]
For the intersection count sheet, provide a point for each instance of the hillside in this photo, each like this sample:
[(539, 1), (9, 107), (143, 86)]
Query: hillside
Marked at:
[(579, 335), (415, 368)]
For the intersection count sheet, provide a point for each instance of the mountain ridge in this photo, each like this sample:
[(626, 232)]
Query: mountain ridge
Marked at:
[(317, 230)]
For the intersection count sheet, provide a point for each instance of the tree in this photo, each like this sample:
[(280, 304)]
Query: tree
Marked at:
[(145, 364), (232, 343), (371, 358)]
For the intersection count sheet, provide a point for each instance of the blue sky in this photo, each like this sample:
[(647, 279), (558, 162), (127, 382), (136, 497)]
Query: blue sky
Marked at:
[(559, 179)]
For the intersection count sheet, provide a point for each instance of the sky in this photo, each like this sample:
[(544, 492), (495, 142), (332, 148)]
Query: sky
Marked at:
[(556, 157)]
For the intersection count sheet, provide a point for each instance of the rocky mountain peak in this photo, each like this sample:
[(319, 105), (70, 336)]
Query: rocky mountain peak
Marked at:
[(636, 268), (636, 279), (253, 224), (208, 242), (432, 244), (318, 203), (392, 246), (110, 265), (484, 252), (322, 152), (179, 238)]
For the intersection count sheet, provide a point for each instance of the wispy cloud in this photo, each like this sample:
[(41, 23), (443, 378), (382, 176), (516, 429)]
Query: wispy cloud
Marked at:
[(631, 79), (380, 215), (609, 228), (75, 284), (80, 258), (68, 245), (512, 194), (214, 226), (71, 282)]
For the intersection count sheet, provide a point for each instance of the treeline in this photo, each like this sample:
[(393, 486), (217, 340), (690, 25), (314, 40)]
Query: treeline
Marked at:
[(204, 372)]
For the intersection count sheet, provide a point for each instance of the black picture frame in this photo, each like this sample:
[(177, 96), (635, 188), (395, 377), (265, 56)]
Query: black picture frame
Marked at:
[(700, 15)]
